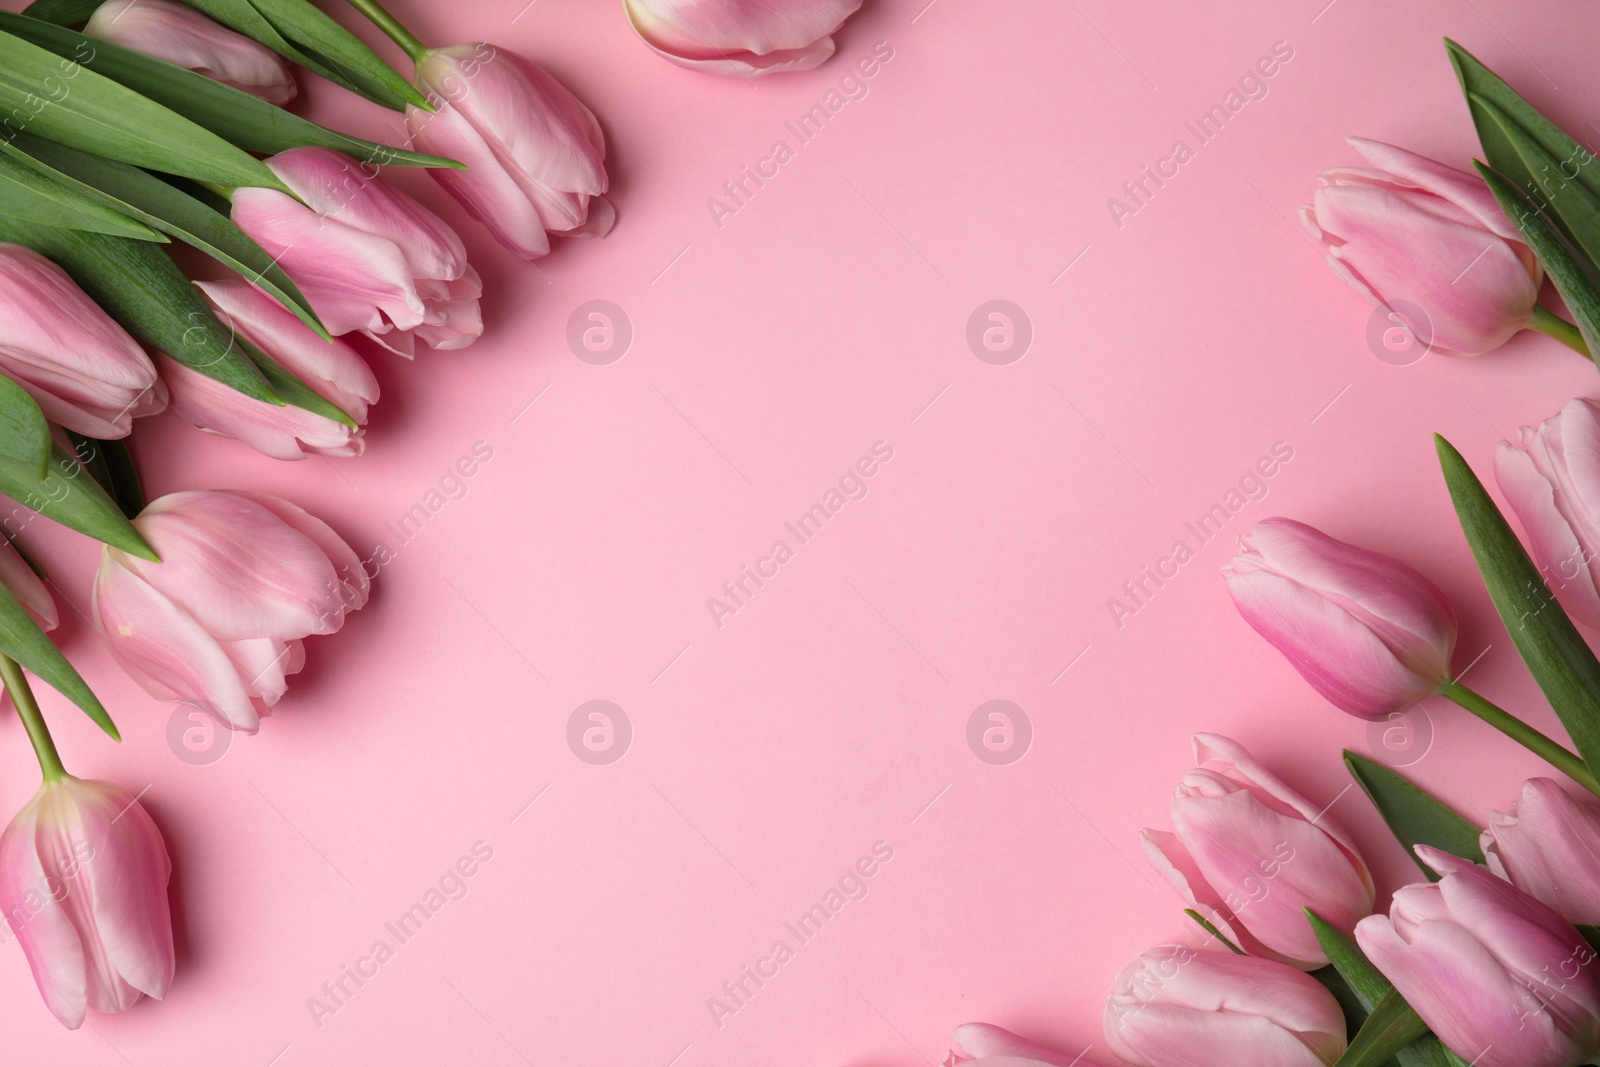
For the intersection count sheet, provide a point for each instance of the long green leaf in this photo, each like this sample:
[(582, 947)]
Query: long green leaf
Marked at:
[(1559, 195), (1392, 1025), (1370, 988), (62, 100), (1556, 654), (139, 286), (23, 641), (24, 433), (62, 12), (71, 497), (247, 121), (27, 194), (291, 389), (1413, 815), (171, 210), (110, 464)]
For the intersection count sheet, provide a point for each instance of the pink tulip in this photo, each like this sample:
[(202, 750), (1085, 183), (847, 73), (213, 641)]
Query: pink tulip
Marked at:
[(1500, 978), (1551, 478), (534, 152), (80, 367), (1412, 229), (26, 586), (984, 1045), (1548, 846), (368, 257), (1368, 632), (334, 370), (219, 622), (1252, 854), (745, 37), (1177, 1005), (184, 37), (83, 882)]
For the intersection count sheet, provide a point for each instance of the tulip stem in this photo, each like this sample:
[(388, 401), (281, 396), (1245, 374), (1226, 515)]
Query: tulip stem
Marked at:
[(1555, 326), (1552, 752), (392, 28), (16, 683)]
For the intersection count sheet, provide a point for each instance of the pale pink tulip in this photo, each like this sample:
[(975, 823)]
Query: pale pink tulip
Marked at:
[(1500, 978), (368, 257), (334, 370), (218, 622), (184, 37), (26, 586), (80, 367), (983, 1045), (1548, 846), (535, 154), (1368, 632), (1412, 229), (744, 37), (1251, 854), (1177, 1005), (83, 882), (1551, 478)]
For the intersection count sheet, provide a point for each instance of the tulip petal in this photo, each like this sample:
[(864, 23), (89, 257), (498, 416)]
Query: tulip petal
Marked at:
[(184, 37), (45, 933), (1453, 186), (1548, 846), (1562, 557), (988, 1043), (490, 195), (354, 580), (26, 586)]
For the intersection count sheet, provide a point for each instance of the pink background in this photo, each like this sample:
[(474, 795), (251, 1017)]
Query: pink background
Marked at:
[(830, 712)]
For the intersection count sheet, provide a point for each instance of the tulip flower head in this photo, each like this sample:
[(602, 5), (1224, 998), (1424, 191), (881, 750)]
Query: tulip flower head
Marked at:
[(184, 37), (1369, 633), (1176, 1005), (1252, 855), (26, 587), (1501, 978), (83, 883), (80, 367), (1548, 846), (1408, 228), (983, 1045), (219, 622), (744, 37), (535, 155)]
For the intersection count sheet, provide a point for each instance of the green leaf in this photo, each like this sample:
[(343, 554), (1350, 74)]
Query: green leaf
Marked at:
[(1556, 654), (247, 121), (171, 210), (23, 641), (292, 390), (60, 99), (1392, 1025), (62, 12), (138, 285), (72, 498), (1413, 815), (1370, 989), (111, 464), (24, 433), (27, 194), (1210, 928)]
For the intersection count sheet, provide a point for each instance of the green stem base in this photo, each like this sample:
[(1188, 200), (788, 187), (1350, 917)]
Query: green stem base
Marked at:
[(1558, 756), (16, 683), (1552, 325)]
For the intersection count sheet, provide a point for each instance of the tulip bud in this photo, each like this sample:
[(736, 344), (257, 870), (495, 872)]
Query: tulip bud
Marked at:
[(368, 257), (1215, 1009), (1548, 846), (1368, 632), (333, 370), (26, 587), (1252, 855), (1412, 229), (184, 37), (83, 882), (744, 37), (983, 1045), (535, 155), (1499, 977), (1551, 478), (80, 367), (218, 622)]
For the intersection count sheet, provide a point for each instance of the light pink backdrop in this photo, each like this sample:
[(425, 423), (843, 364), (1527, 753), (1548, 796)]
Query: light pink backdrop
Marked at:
[(830, 712)]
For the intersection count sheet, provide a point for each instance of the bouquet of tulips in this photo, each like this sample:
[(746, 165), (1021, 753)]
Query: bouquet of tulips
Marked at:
[(131, 126), (1492, 958)]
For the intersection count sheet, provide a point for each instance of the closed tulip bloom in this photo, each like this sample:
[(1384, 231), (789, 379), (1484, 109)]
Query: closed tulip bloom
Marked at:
[(1551, 477), (26, 586), (983, 1045), (1252, 854), (368, 257), (1176, 1005), (80, 367), (1369, 633), (219, 622), (535, 154), (334, 370), (1548, 846), (744, 37), (1408, 228), (83, 882), (184, 37), (1500, 978)]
